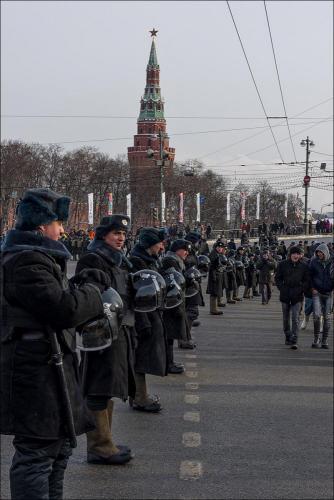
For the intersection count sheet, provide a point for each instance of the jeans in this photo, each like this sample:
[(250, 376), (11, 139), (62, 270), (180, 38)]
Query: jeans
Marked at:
[(38, 468), (291, 315), (265, 290), (322, 306)]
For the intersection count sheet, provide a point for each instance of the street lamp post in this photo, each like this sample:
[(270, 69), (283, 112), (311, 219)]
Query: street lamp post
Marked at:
[(308, 143)]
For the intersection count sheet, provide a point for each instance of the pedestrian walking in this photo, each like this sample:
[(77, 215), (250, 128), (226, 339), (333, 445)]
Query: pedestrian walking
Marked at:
[(293, 281), (322, 286)]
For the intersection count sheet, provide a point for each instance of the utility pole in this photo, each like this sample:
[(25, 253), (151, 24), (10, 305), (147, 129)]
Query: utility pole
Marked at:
[(308, 143)]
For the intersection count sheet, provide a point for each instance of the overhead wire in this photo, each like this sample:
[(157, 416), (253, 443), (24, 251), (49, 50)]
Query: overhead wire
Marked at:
[(256, 87), (279, 80)]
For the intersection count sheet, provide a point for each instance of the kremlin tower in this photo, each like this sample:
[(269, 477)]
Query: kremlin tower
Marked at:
[(150, 158)]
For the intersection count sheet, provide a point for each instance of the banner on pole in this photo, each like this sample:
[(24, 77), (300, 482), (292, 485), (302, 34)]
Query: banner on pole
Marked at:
[(228, 207), (128, 205), (91, 208), (181, 215), (109, 204), (286, 208), (258, 206), (198, 207), (243, 206), (163, 207)]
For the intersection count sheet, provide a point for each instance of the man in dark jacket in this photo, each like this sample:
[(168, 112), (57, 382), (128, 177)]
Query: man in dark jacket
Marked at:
[(266, 267), (322, 285), (217, 279), (293, 281), (38, 301), (175, 319), (151, 350), (110, 373)]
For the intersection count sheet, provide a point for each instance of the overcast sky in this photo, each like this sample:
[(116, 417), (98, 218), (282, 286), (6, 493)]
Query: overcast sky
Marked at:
[(89, 58)]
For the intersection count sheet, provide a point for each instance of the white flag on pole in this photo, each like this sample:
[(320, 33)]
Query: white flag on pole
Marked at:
[(258, 206), (163, 207), (181, 218), (91, 208), (128, 205), (198, 206), (228, 208), (286, 208)]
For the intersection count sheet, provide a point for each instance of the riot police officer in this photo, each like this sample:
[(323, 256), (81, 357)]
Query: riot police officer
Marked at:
[(110, 373), (151, 351), (216, 280), (41, 399), (175, 319)]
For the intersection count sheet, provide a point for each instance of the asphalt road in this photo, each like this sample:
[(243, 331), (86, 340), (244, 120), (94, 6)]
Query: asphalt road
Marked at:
[(250, 419)]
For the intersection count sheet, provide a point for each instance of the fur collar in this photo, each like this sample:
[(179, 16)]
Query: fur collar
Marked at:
[(17, 241), (141, 253), (177, 258), (115, 257)]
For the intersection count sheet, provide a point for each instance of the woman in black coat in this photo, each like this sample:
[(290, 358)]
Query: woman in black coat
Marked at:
[(151, 350), (39, 300), (109, 373)]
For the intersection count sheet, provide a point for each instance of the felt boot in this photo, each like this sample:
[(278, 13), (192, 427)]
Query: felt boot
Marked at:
[(213, 306)]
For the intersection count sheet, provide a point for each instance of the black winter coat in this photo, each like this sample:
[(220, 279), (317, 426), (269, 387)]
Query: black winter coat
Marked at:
[(292, 280), (37, 299), (175, 319), (265, 268), (151, 350), (110, 372), (217, 275), (240, 274)]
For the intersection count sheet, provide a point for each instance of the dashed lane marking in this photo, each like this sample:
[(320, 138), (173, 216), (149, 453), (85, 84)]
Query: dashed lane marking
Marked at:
[(190, 470), (192, 374), (191, 399), (191, 356), (191, 439), (192, 416), (192, 386), (191, 365)]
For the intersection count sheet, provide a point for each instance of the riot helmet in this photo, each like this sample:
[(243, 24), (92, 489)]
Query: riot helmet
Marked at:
[(203, 264), (99, 334), (239, 264), (175, 285), (193, 279), (150, 290)]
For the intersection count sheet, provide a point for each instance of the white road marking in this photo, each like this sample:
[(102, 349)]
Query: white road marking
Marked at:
[(192, 385), (191, 356), (190, 470), (192, 374), (191, 365), (192, 416), (191, 399), (191, 439)]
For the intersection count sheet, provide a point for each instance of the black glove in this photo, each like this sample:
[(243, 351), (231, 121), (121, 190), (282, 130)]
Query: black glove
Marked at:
[(95, 277)]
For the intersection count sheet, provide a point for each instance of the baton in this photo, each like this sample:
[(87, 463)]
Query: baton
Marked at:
[(57, 360)]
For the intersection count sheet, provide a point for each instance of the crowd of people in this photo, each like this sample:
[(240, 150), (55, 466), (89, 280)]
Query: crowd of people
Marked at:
[(71, 346)]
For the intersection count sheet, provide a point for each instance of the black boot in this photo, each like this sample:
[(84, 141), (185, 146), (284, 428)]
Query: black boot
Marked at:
[(173, 368)]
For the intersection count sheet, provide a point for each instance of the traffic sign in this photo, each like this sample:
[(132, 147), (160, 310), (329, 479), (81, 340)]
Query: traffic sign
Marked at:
[(307, 179), (202, 198)]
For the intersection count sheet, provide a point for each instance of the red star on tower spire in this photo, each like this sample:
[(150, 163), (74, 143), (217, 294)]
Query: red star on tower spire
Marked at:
[(154, 32)]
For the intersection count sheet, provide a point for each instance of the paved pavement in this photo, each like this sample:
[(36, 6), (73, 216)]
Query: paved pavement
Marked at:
[(250, 419)]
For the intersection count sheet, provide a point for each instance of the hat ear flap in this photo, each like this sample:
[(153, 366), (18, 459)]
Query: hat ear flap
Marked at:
[(62, 207)]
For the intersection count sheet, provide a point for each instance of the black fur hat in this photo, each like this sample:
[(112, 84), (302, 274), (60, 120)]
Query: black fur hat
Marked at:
[(149, 236), (118, 222), (192, 236), (41, 206), (180, 244)]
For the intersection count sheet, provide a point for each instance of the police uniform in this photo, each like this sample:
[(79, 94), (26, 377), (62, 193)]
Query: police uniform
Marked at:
[(109, 373), (38, 303)]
